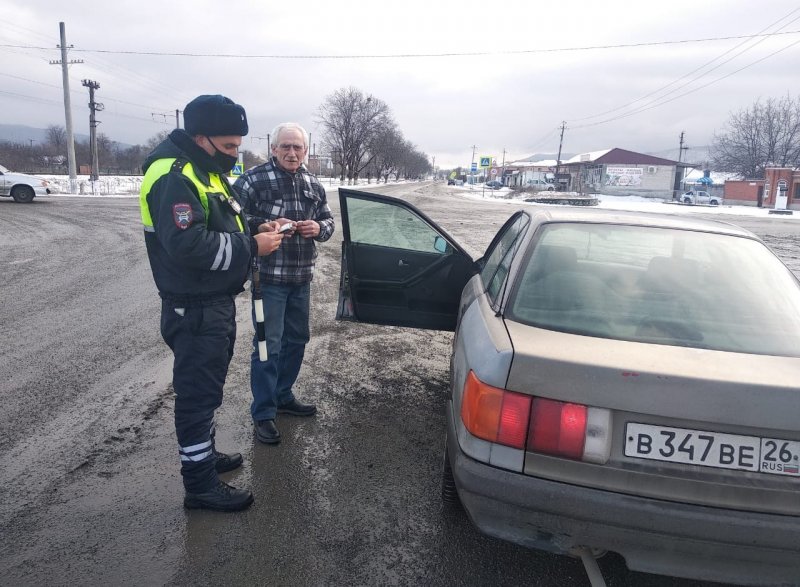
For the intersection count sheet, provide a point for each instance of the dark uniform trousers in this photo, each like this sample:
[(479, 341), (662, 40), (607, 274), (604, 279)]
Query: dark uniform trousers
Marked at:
[(201, 335)]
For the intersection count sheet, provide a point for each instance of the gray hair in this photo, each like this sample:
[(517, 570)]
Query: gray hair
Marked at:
[(276, 132)]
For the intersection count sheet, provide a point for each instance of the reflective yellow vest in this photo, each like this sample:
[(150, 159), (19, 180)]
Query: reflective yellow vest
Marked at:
[(161, 167)]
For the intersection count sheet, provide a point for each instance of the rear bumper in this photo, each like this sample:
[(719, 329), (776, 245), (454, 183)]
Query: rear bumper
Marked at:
[(654, 536)]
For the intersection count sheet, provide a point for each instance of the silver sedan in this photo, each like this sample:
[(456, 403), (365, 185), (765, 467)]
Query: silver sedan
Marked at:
[(619, 382)]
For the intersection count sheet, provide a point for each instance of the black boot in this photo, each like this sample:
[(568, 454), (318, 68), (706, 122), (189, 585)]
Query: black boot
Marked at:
[(267, 432), (220, 497), (297, 408), (224, 462), (227, 462)]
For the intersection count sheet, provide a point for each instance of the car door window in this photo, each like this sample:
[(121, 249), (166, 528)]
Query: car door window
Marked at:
[(498, 257), (388, 225)]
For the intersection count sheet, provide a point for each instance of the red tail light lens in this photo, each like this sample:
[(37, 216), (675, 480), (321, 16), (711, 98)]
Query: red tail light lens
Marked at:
[(522, 421), (514, 417), (494, 414), (557, 428)]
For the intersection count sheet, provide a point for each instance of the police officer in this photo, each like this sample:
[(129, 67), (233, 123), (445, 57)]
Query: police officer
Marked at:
[(200, 251)]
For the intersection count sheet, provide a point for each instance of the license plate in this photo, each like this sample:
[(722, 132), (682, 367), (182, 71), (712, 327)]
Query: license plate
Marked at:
[(712, 449)]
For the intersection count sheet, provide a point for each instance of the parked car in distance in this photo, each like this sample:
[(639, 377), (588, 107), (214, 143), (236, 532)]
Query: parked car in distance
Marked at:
[(494, 184), (20, 186), (617, 383), (540, 185), (700, 197)]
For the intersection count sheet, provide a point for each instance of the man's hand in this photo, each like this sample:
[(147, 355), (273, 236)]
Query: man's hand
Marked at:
[(270, 226), (307, 228), (268, 242)]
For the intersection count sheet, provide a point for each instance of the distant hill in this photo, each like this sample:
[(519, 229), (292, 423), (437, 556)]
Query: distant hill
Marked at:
[(19, 133)]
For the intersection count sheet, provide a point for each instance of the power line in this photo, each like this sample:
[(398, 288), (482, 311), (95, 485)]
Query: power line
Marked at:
[(544, 138), (114, 70), (692, 91), (416, 55), (28, 98), (659, 90), (110, 113)]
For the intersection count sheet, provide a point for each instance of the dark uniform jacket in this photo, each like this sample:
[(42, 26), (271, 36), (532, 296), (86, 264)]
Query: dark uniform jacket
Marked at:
[(195, 253)]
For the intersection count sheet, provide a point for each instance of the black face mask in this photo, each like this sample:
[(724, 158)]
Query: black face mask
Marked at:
[(224, 161)]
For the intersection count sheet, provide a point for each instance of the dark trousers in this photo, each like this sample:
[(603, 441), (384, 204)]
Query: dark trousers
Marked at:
[(286, 312), (201, 336)]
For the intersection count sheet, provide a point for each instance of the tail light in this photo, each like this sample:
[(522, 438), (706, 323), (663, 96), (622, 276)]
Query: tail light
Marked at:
[(557, 428), (495, 414), (536, 424)]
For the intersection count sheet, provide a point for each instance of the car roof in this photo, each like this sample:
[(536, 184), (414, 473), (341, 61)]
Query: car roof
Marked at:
[(593, 215)]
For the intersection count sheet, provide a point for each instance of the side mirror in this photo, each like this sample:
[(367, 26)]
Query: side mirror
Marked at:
[(440, 244)]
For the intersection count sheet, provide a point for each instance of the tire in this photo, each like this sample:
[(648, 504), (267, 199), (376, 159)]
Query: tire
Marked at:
[(449, 490), (714, 202), (22, 194), (687, 200)]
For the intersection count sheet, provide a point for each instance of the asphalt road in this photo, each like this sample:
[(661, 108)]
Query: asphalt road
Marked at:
[(89, 482)]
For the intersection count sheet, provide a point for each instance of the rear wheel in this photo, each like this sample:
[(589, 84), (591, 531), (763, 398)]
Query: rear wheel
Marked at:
[(449, 491), (22, 193), (687, 200)]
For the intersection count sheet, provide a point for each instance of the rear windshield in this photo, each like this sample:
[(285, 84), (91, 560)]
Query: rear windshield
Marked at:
[(659, 285)]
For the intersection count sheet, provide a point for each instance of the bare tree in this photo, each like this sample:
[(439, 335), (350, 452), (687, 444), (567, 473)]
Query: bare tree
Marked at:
[(759, 136), (156, 140), (351, 121), (388, 149), (56, 139), (414, 163), (251, 159), (130, 160), (105, 151)]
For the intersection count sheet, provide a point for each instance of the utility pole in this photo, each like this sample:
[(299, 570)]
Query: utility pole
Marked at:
[(434, 167), (178, 118), (73, 176), (681, 149), (471, 163), (503, 171), (558, 159), (93, 107)]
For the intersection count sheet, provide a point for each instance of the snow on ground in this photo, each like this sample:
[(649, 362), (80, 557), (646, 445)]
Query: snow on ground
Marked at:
[(634, 203), (125, 186)]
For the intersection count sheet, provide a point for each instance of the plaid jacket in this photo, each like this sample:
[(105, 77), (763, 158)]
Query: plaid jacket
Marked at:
[(267, 192)]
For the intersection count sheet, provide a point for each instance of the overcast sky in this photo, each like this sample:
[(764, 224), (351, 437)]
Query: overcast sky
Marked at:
[(515, 71)]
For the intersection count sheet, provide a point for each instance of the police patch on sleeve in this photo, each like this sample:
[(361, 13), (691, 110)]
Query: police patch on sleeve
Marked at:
[(182, 215)]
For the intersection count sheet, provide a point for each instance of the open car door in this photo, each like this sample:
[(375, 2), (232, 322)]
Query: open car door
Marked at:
[(398, 267)]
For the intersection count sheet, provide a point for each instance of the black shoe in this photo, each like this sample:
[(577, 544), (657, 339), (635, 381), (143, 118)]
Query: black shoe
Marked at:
[(225, 463), (266, 432), (221, 497), (296, 408)]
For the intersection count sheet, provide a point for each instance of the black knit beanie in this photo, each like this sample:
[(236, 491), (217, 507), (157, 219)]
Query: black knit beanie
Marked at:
[(214, 116)]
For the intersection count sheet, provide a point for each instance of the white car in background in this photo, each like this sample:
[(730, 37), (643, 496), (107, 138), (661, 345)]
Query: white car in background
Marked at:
[(692, 197), (540, 185), (20, 186)]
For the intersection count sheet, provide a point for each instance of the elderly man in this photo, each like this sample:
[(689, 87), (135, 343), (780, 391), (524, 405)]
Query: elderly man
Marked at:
[(283, 191), (200, 251)]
